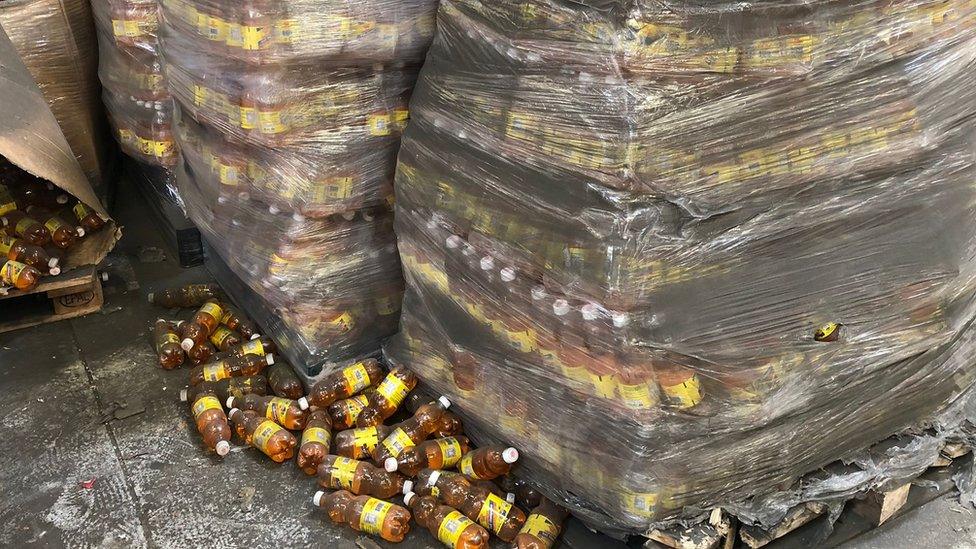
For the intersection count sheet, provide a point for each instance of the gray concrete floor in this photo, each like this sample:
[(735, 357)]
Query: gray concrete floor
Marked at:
[(154, 484)]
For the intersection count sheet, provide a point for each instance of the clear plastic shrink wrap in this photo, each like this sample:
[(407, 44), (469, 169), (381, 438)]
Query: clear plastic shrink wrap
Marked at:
[(289, 116), (138, 105), (681, 253)]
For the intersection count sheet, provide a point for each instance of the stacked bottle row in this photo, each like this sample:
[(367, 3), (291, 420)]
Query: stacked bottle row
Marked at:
[(289, 115), (133, 89), (663, 246)]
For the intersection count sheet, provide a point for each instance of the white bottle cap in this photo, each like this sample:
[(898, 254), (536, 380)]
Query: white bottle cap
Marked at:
[(444, 402), (510, 497), (230, 402), (407, 486), (590, 312), (510, 455), (269, 358), (317, 498), (487, 263), (53, 262), (391, 464), (368, 216), (233, 412), (408, 497), (54, 271), (349, 216), (255, 336), (273, 210), (453, 242), (184, 394), (222, 448), (432, 480), (508, 274), (620, 319), (186, 344), (80, 231), (104, 277), (62, 199), (148, 297), (303, 403), (560, 307), (299, 218), (539, 292)]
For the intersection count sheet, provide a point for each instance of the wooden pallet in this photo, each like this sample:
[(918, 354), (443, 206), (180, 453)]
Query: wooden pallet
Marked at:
[(69, 295)]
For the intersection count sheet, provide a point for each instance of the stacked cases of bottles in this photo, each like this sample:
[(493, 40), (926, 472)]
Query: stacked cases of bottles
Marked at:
[(289, 115), (682, 254), (138, 105)]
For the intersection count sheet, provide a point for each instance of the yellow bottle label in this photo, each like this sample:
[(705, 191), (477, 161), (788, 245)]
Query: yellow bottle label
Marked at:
[(220, 335), (642, 505), (374, 513), (22, 225), (397, 442), (205, 403), (466, 467), (317, 434), (253, 347), (450, 450), (213, 310), (450, 530), (353, 407), (277, 409), (604, 386), (343, 475), (248, 118), (126, 29), (687, 394), (254, 37), (263, 434), (200, 94), (393, 390), (337, 188), (637, 397), (216, 29), (81, 211), (400, 118), (364, 441), (379, 124), (271, 122), (7, 204), (521, 340), (6, 242), (215, 371), (494, 512), (235, 35), (357, 378), (826, 332), (287, 31), (11, 271), (343, 322), (167, 338), (541, 527)]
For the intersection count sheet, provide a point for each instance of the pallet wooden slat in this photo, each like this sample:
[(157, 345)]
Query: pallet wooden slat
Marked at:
[(70, 295)]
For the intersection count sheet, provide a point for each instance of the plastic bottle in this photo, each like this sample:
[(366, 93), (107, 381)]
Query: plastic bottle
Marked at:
[(19, 250), (203, 323), (260, 346), (247, 365), (449, 425), (388, 396), (448, 525), (542, 527), (88, 217), (236, 321), (360, 443), (345, 412), (17, 223), (346, 383), (21, 276), (439, 453), (223, 338), (264, 434), (193, 295), (171, 355), (63, 235), (477, 503), (283, 411), (411, 432), (488, 462), (366, 514), (316, 441), (284, 382), (525, 494), (359, 477), (680, 385), (201, 353), (225, 388), (37, 192), (211, 422)]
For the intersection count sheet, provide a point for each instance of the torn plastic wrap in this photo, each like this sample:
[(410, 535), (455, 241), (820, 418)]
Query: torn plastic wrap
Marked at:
[(289, 116), (682, 254)]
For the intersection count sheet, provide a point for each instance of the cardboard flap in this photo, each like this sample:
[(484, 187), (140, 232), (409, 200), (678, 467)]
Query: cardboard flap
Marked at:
[(31, 138)]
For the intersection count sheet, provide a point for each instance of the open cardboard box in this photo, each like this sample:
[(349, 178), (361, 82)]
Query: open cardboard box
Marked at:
[(31, 138)]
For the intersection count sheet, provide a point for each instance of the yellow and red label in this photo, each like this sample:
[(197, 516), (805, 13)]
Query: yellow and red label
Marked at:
[(397, 442), (638, 397), (53, 224), (494, 512), (374, 513), (205, 403), (450, 451), (254, 37), (11, 270), (393, 390), (450, 530), (541, 527), (216, 371), (262, 435), (344, 322), (357, 378), (316, 434), (380, 124)]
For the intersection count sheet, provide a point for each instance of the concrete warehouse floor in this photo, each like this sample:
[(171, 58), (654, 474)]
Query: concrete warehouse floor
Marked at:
[(154, 485)]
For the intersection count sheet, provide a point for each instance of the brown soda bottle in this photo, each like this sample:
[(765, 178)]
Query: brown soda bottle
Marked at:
[(203, 323), (488, 462), (21, 276), (542, 527), (476, 502), (439, 453), (448, 525), (17, 223), (388, 396), (284, 382), (201, 353), (226, 388), (193, 295), (681, 386), (365, 514), (171, 355), (62, 235), (411, 432), (525, 494), (449, 425), (236, 321), (360, 443), (283, 411), (224, 338), (359, 477), (36, 192), (87, 217), (211, 422), (346, 383), (257, 346), (316, 441), (345, 412), (16, 249), (247, 365), (265, 435)]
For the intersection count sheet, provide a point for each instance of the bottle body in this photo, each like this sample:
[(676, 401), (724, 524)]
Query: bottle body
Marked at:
[(411, 432), (265, 435), (203, 324), (192, 295), (19, 224), (476, 502), (390, 393), (20, 276), (359, 443), (488, 462), (283, 411), (284, 382), (542, 526), (18, 250), (346, 383), (440, 453), (168, 349), (358, 477), (223, 338), (366, 514), (344, 413), (211, 422), (316, 441), (235, 320), (447, 524), (248, 365)]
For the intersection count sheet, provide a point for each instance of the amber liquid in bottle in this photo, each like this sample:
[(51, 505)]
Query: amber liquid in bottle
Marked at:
[(359, 477), (226, 388), (345, 412), (449, 424), (204, 322), (21, 276), (87, 217), (236, 321), (193, 295), (19, 250), (200, 353), (316, 441), (258, 346), (168, 348), (17, 223), (448, 525), (359, 443), (390, 393), (345, 383), (247, 365), (284, 382), (440, 453), (477, 503), (211, 422), (411, 432), (224, 338), (488, 462), (264, 434), (63, 235), (283, 411), (542, 526), (366, 514)]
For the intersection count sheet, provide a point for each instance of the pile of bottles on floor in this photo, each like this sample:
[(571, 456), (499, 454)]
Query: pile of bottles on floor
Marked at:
[(288, 119), (39, 224), (343, 432), (137, 102)]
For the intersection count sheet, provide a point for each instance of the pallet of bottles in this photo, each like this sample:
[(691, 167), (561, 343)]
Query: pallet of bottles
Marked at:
[(75, 293)]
